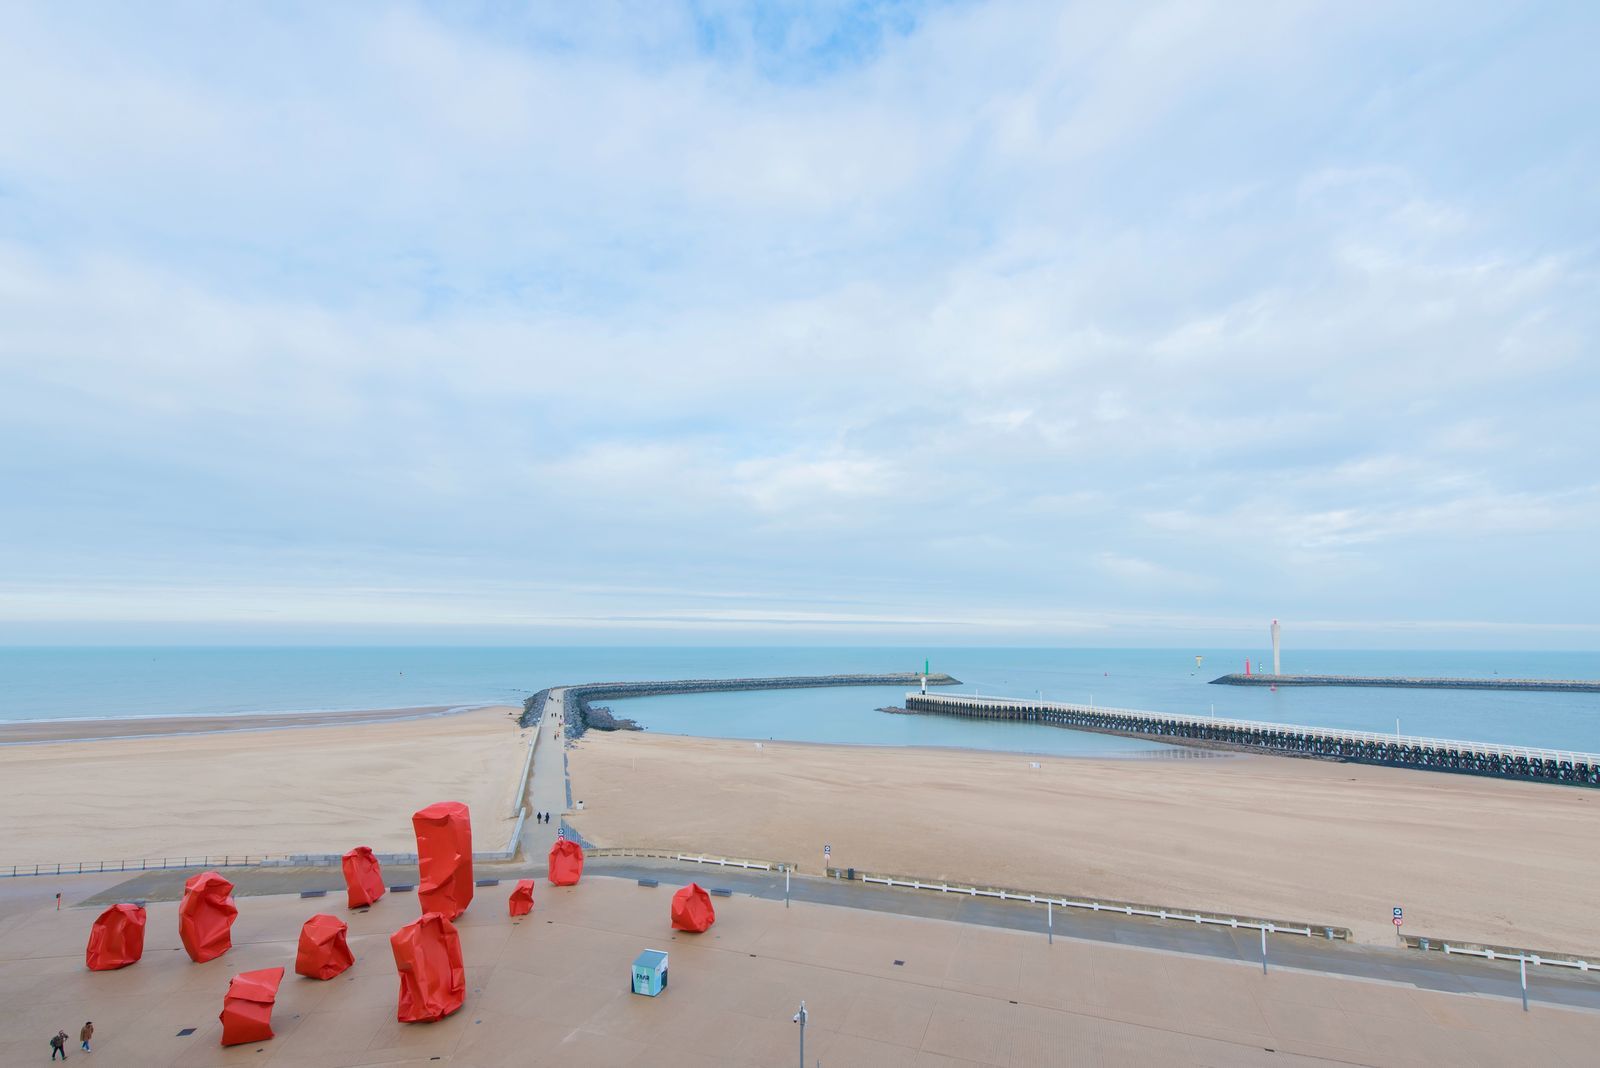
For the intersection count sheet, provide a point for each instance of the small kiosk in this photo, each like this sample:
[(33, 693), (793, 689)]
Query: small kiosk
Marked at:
[(649, 973)]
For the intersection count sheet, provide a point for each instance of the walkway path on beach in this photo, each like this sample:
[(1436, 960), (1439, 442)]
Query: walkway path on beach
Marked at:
[(547, 786)]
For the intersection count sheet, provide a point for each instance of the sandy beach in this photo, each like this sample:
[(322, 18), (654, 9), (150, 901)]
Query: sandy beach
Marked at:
[(353, 781), (1469, 859)]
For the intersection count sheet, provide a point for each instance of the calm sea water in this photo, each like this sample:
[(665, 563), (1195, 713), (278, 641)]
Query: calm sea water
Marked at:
[(57, 683)]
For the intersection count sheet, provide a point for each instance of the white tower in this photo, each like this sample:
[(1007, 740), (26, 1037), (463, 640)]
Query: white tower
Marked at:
[(1277, 668)]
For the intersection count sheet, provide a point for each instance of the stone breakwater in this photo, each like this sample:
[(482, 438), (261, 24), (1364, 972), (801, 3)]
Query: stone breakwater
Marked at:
[(1402, 682), (1283, 739), (579, 715)]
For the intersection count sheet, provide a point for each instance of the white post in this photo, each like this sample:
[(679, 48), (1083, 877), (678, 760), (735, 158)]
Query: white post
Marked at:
[(1263, 949), (1050, 921), (1524, 962), (1397, 726), (786, 888)]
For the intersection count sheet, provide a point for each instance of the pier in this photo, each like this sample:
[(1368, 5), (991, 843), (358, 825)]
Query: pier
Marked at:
[(577, 698), (1284, 739), (1402, 682)]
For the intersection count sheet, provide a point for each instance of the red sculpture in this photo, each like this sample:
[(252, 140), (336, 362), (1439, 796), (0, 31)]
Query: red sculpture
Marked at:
[(433, 980), (247, 1010), (566, 862), (117, 938), (522, 898), (691, 909), (205, 917), (363, 877), (323, 951), (444, 858)]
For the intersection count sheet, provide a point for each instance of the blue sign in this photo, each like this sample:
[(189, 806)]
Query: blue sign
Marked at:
[(1398, 912)]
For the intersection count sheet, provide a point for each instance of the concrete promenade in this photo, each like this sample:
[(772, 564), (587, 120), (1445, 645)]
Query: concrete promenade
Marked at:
[(1424, 971), (547, 785), (880, 989)]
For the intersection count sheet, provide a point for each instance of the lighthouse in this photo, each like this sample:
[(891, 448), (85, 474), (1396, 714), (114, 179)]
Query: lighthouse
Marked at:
[(1277, 668)]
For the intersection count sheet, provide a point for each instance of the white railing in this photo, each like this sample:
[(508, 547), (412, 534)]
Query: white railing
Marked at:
[(1523, 956), (1155, 912), (692, 858), (1337, 733)]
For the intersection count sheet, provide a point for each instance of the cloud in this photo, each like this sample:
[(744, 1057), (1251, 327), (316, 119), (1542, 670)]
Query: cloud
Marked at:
[(980, 318)]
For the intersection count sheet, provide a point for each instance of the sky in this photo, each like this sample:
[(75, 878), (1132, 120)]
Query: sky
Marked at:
[(1044, 324)]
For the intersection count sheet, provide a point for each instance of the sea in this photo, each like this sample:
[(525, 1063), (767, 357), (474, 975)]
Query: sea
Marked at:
[(42, 683)]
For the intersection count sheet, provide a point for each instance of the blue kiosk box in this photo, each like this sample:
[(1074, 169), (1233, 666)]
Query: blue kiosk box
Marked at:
[(649, 973)]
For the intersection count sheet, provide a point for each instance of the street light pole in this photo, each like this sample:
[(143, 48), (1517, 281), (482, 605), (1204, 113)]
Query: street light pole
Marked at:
[(800, 1018)]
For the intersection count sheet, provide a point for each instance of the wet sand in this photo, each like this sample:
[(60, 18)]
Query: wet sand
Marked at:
[(1468, 858), (64, 730)]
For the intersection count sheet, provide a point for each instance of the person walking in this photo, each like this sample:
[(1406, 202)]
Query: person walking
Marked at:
[(86, 1034), (58, 1044)]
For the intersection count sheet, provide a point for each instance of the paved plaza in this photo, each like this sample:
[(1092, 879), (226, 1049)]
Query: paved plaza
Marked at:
[(880, 989)]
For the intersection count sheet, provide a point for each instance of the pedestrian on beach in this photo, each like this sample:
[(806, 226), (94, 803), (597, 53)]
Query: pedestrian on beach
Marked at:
[(58, 1044), (86, 1034)]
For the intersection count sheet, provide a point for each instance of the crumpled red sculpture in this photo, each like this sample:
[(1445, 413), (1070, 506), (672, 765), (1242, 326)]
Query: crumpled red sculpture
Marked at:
[(323, 951), (247, 1010), (205, 917), (566, 862), (117, 938), (363, 877), (522, 898), (433, 979), (444, 858), (691, 909)]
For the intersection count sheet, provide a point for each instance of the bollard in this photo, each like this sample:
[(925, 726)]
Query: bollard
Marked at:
[(1524, 962), (1263, 949), (1050, 922)]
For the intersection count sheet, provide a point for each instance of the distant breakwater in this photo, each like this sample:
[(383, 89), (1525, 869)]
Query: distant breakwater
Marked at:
[(1403, 683), (1282, 739), (579, 716)]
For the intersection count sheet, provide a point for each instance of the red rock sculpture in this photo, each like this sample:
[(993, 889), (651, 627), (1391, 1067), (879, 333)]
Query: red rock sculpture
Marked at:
[(444, 858), (566, 862), (433, 979), (247, 1010), (117, 938), (206, 915), (363, 877), (522, 898), (323, 951), (691, 909)]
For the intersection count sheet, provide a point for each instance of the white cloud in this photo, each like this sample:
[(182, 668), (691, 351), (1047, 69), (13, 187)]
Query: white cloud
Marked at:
[(1003, 306)]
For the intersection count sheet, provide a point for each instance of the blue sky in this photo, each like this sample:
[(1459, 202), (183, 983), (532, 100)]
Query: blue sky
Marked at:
[(1025, 323)]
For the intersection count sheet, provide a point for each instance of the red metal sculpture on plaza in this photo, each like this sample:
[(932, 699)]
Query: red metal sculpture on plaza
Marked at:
[(691, 909), (444, 858), (566, 862), (247, 1010), (433, 978), (117, 938), (206, 915), (323, 952), (363, 877)]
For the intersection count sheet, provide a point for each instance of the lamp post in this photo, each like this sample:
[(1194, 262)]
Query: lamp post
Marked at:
[(800, 1018)]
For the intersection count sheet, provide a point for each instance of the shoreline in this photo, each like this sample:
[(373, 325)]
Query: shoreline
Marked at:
[(118, 728)]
